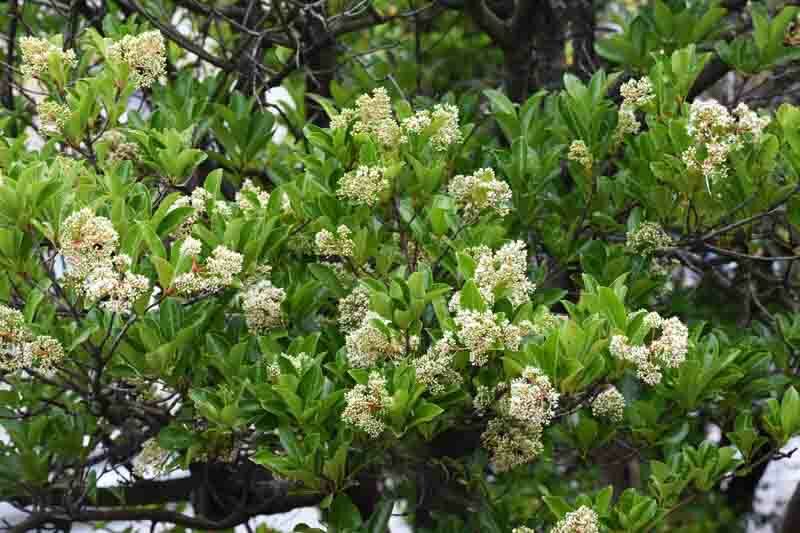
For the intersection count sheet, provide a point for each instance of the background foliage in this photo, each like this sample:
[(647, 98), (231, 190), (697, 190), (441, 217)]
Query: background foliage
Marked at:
[(512, 263)]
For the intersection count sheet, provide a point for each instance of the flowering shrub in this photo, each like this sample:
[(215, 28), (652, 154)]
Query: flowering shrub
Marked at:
[(570, 310)]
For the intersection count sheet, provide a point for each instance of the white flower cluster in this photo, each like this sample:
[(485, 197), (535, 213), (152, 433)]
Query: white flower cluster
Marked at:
[(198, 201), (579, 152), (114, 286), (505, 271), (36, 54), (435, 368), (191, 247), (668, 350), (367, 404), (19, 348), (261, 303), (482, 332), (511, 444), (89, 247), (52, 116), (635, 94), (340, 244), (719, 133), (364, 185), (151, 461), (533, 399), (522, 529), (647, 237), (368, 344), (353, 309), (481, 191), (220, 271), (245, 194), (144, 54), (582, 520), (609, 404), (372, 116)]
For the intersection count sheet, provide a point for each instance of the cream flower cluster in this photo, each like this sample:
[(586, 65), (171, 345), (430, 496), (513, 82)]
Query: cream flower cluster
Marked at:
[(364, 185), (198, 201), (220, 271), (340, 244), (144, 54), (511, 444), (366, 405), (609, 404), (36, 54), (151, 461), (89, 247), (479, 192), (243, 198), (19, 348), (368, 344), (522, 529), (52, 116), (504, 271), (114, 286), (373, 116), (668, 350), (579, 153), (353, 309), (719, 133), (533, 399), (482, 332), (635, 94), (261, 303), (86, 241), (648, 237), (581, 520), (435, 368)]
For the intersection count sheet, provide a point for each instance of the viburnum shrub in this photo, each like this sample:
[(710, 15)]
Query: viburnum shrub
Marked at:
[(488, 309)]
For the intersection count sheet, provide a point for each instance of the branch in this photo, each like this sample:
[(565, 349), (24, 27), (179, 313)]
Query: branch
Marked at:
[(489, 22)]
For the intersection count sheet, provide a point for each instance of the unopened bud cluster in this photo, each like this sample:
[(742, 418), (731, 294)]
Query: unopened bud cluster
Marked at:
[(19, 348), (480, 192), (145, 56), (366, 405), (579, 153), (511, 444), (648, 237)]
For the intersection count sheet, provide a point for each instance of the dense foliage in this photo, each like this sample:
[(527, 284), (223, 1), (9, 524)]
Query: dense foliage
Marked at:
[(504, 266)]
